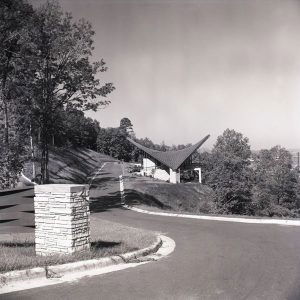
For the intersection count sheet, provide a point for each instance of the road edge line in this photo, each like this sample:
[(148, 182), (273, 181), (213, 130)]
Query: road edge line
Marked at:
[(218, 218)]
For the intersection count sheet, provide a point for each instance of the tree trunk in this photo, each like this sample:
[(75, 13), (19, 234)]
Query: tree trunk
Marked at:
[(46, 163), (32, 153), (43, 165), (6, 124)]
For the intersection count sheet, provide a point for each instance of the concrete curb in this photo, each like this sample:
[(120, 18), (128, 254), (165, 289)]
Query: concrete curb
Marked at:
[(97, 173), (58, 271), (28, 179), (217, 218)]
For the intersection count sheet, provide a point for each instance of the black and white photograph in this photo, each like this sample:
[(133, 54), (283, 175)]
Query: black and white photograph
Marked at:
[(150, 149)]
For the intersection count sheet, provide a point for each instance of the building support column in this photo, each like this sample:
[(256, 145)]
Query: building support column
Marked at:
[(199, 172), (174, 176)]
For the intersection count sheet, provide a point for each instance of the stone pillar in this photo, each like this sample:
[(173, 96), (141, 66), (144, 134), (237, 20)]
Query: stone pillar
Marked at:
[(62, 218), (174, 176)]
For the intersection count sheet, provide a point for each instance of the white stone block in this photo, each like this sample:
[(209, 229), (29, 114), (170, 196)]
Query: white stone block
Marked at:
[(62, 218)]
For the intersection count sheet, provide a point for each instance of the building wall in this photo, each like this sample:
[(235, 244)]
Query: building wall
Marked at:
[(161, 175), (148, 167)]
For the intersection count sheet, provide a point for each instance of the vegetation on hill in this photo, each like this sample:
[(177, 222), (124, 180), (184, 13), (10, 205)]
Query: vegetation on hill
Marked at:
[(187, 197)]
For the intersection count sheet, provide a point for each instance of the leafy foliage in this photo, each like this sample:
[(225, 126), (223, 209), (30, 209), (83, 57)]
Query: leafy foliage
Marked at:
[(11, 163), (276, 184), (14, 17), (264, 184), (229, 174), (60, 72), (113, 142), (45, 70), (76, 130)]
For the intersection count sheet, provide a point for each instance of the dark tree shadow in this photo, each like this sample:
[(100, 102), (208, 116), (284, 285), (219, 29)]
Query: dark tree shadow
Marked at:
[(29, 226), (7, 220), (104, 244), (28, 211), (7, 206), (17, 244), (104, 203), (134, 197)]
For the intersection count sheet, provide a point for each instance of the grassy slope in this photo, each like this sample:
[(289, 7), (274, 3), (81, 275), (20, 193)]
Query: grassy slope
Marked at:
[(71, 165), (189, 197), (17, 251)]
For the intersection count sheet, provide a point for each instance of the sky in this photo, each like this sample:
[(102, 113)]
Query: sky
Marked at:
[(183, 69)]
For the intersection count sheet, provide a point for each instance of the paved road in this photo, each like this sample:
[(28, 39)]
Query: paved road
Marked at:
[(212, 260), (16, 211)]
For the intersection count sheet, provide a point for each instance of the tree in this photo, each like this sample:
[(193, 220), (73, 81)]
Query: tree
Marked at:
[(126, 124), (60, 72), (230, 175), (73, 129), (113, 142), (276, 183), (15, 15)]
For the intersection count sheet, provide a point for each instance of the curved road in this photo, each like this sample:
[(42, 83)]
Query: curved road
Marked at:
[(212, 260)]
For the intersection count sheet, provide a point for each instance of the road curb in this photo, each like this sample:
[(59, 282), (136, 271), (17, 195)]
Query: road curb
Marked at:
[(218, 218), (57, 271)]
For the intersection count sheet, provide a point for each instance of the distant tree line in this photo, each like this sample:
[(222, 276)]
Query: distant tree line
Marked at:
[(47, 80)]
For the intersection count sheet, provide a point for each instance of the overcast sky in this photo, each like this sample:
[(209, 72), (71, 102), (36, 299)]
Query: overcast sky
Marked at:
[(183, 69)]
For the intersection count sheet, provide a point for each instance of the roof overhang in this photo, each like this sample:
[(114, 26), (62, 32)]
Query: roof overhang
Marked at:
[(171, 159)]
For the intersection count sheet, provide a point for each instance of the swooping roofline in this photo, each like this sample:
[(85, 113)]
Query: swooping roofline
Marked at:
[(171, 159)]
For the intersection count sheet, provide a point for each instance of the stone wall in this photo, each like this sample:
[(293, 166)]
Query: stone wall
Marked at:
[(62, 218)]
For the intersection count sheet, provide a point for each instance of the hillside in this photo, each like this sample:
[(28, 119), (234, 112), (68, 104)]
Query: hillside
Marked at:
[(188, 197), (74, 165)]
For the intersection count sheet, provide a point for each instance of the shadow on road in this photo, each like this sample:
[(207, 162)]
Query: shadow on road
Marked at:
[(103, 203), (134, 197)]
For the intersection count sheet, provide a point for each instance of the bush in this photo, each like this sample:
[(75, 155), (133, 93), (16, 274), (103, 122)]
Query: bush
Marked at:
[(10, 166)]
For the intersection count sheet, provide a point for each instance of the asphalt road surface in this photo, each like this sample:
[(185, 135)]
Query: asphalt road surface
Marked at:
[(212, 260)]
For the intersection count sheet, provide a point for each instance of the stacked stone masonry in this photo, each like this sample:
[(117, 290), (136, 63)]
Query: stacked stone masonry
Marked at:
[(62, 219)]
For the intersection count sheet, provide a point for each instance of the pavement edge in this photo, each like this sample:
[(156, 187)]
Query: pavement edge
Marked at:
[(57, 271), (282, 222)]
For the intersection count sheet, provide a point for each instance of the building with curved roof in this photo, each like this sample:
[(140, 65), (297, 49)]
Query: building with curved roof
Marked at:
[(166, 165)]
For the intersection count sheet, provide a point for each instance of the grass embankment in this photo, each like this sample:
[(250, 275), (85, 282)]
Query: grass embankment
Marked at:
[(72, 165), (17, 251), (182, 197)]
